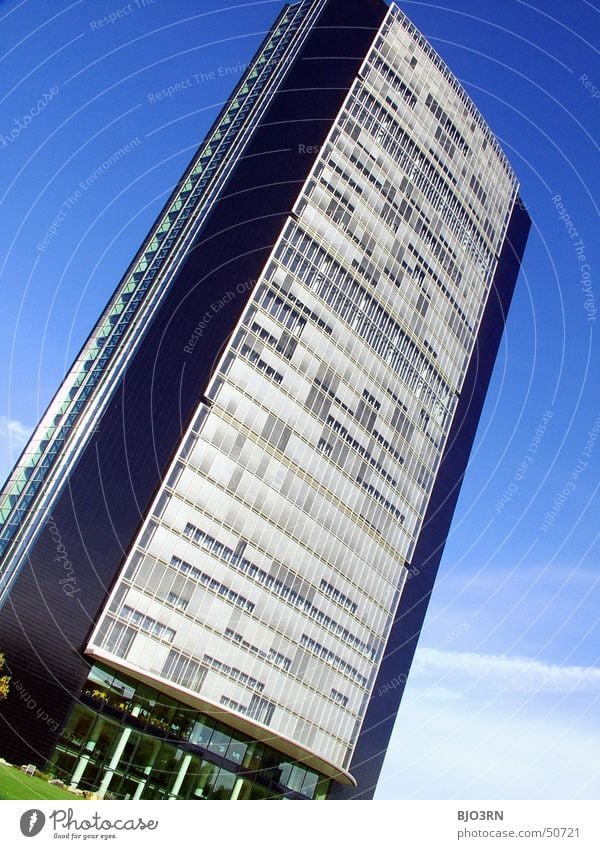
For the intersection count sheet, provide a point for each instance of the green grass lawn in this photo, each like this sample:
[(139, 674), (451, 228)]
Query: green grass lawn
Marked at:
[(15, 785)]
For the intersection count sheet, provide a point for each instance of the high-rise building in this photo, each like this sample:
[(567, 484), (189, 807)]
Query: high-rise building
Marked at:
[(219, 544)]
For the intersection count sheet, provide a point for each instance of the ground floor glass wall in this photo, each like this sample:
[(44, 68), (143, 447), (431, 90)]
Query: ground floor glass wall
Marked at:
[(125, 740)]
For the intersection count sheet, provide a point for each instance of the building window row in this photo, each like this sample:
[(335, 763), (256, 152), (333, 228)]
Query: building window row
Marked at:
[(388, 447), (477, 190), (318, 554), (177, 600), (392, 79), (233, 673), (147, 623), (338, 596), (424, 175), (263, 334), (387, 505), (183, 670), (446, 123), (398, 20), (316, 401), (285, 345), (371, 399), (339, 698), (318, 404), (281, 589), (318, 270), (397, 253), (274, 657), (212, 584), (259, 709), (436, 245), (386, 190), (262, 301), (337, 427), (261, 704), (281, 311), (420, 266), (392, 214), (233, 705), (333, 659), (278, 659), (248, 352), (116, 637)]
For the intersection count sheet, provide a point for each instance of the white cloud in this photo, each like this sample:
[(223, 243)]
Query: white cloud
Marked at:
[(13, 432), (13, 437), (442, 694), (513, 674)]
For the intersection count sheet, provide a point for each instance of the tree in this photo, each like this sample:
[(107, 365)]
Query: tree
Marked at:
[(4, 679)]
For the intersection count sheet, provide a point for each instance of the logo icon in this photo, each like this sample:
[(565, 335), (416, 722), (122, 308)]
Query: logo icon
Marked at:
[(32, 822)]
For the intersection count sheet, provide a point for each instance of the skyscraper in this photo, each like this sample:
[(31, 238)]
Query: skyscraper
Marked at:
[(218, 546)]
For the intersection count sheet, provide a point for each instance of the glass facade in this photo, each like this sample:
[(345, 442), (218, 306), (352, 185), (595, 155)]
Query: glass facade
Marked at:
[(125, 740), (266, 576)]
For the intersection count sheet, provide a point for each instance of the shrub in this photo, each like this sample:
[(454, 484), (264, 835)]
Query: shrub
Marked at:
[(4, 679)]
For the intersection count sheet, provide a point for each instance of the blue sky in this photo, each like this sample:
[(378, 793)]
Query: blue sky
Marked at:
[(503, 699)]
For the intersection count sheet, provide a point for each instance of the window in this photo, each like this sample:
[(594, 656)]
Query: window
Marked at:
[(177, 601), (202, 577), (120, 639), (184, 671), (261, 710), (342, 599), (147, 624), (339, 698)]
